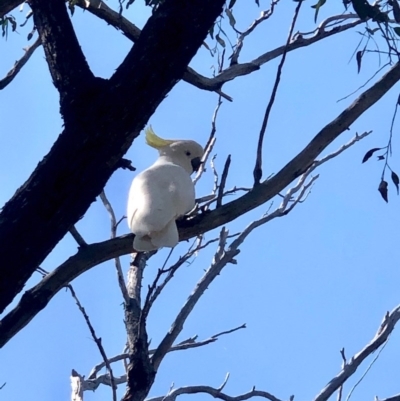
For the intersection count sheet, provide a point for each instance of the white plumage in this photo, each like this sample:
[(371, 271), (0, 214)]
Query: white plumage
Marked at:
[(162, 193)]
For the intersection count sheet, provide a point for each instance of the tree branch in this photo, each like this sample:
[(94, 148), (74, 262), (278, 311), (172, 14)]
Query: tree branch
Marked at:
[(67, 63), (37, 298), (387, 326), (102, 121), (257, 172), (214, 392), (93, 381), (19, 64), (97, 7), (97, 340)]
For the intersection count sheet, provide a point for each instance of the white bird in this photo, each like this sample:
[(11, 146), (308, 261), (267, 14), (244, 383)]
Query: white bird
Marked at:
[(163, 192)]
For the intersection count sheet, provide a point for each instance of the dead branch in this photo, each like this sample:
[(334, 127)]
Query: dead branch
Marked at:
[(264, 15), (19, 64), (77, 387), (114, 225), (389, 322), (97, 340), (93, 381), (214, 392)]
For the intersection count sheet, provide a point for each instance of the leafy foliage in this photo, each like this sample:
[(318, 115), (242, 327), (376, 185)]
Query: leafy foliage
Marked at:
[(5, 23)]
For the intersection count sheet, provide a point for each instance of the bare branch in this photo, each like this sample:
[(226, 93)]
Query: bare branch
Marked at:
[(77, 387), (393, 398), (214, 392), (19, 64), (210, 143), (115, 19), (77, 237), (97, 340), (386, 328), (344, 361), (215, 84), (114, 225), (220, 260), (257, 172), (237, 70), (184, 345), (264, 15), (224, 176), (367, 370)]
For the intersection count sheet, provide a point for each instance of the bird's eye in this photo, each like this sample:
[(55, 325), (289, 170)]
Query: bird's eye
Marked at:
[(187, 153)]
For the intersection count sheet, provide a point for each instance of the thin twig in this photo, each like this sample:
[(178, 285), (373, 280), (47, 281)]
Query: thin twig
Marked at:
[(264, 15), (184, 345), (215, 174), (257, 172), (367, 370), (224, 176), (344, 361), (210, 142), (97, 341), (117, 260), (19, 64), (77, 237)]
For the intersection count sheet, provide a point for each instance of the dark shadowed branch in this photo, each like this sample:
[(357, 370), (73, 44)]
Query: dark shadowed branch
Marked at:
[(97, 340), (66, 61), (257, 172)]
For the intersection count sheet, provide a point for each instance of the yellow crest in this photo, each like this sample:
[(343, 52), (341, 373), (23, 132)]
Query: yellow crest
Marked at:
[(154, 140)]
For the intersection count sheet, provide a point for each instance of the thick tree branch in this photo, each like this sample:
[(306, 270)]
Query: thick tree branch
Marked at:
[(68, 66), (100, 126), (37, 298)]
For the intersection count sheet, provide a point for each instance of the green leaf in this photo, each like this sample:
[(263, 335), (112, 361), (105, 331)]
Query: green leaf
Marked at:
[(383, 190), (211, 31), (317, 7), (220, 40), (396, 181), (359, 55), (369, 154), (231, 3), (362, 8), (231, 18), (397, 30)]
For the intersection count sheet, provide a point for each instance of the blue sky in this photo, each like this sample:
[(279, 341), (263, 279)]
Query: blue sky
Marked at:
[(306, 285)]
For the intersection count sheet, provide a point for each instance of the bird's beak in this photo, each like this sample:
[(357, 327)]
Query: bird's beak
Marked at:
[(196, 163)]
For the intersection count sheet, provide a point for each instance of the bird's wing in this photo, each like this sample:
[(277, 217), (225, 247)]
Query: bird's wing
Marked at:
[(158, 196)]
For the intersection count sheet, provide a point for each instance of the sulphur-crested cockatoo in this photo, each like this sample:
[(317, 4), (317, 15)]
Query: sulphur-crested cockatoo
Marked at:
[(163, 192)]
